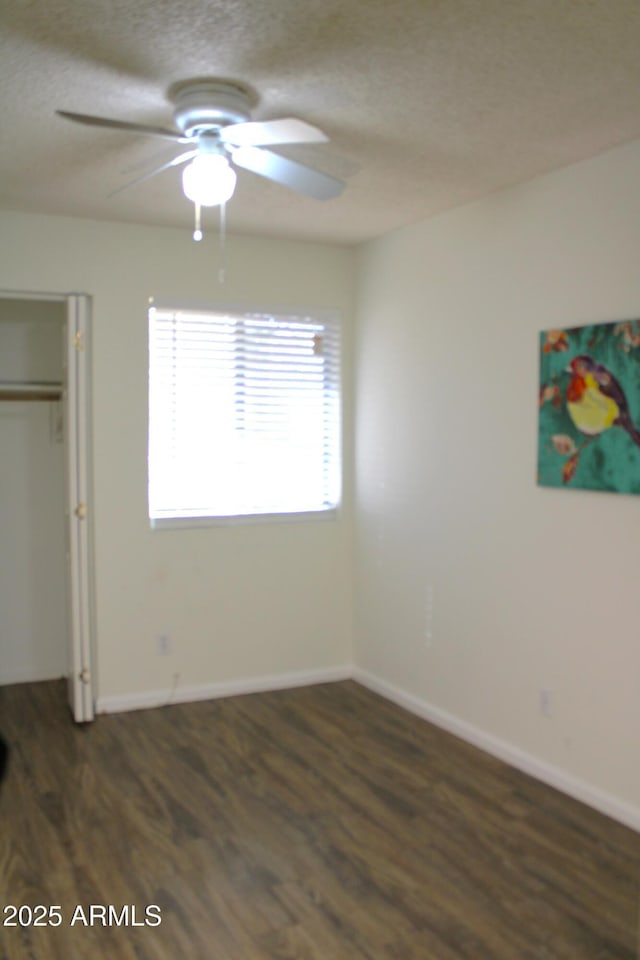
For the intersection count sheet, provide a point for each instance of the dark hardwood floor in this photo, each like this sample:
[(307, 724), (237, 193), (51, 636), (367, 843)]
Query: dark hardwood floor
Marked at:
[(312, 824)]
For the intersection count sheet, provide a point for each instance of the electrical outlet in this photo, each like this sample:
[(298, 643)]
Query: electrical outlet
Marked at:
[(163, 644), (546, 702)]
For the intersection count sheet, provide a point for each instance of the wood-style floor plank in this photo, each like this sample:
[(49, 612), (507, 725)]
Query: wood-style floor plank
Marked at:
[(313, 824)]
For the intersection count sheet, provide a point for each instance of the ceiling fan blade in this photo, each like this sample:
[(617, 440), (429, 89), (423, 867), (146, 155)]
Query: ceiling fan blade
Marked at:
[(123, 125), (148, 160), (182, 158), (290, 174), (270, 132)]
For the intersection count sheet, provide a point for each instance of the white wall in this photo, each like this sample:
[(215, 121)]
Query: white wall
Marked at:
[(239, 602), (33, 616), (475, 587)]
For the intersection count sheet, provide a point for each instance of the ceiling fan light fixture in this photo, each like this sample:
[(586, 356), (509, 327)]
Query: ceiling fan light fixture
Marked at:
[(209, 180), (213, 122)]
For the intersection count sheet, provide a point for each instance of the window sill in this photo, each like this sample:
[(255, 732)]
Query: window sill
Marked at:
[(184, 523)]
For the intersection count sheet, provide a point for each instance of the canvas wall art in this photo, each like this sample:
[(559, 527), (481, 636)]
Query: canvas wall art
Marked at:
[(589, 407)]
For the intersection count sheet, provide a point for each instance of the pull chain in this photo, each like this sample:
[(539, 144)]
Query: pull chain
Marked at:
[(197, 236), (222, 270), (197, 231)]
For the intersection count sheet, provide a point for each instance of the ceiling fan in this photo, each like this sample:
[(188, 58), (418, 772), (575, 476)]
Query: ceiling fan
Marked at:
[(212, 120)]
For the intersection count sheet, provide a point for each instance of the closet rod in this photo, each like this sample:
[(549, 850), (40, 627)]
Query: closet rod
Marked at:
[(34, 390)]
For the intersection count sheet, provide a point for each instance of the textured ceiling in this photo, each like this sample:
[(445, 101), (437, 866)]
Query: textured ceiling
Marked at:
[(428, 103)]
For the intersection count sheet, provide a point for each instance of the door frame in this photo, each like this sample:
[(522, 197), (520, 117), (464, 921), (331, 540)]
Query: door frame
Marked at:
[(79, 502)]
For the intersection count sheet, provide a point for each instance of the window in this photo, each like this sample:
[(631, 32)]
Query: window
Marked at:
[(244, 414)]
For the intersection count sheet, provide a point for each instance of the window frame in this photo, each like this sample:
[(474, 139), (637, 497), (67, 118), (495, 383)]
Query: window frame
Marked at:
[(321, 314)]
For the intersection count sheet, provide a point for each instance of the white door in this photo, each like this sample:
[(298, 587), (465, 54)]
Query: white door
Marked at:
[(78, 508)]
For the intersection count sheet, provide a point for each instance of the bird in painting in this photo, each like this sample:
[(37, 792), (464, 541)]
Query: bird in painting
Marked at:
[(595, 399)]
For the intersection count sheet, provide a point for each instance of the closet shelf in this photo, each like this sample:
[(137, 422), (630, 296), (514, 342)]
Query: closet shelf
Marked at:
[(30, 390)]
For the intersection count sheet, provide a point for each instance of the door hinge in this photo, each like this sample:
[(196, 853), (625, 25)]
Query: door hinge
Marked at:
[(84, 675), (81, 511), (78, 340)]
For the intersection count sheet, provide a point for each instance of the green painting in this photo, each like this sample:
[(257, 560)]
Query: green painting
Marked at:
[(589, 423)]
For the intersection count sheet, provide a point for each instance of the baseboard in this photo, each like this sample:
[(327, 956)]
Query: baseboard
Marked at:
[(553, 776), (148, 699)]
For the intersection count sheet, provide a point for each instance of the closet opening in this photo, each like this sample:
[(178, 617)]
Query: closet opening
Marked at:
[(45, 511)]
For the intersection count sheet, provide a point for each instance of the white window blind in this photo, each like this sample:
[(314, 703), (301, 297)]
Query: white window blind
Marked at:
[(244, 414)]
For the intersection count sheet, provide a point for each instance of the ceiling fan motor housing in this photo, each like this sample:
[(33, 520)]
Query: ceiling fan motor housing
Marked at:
[(208, 104)]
